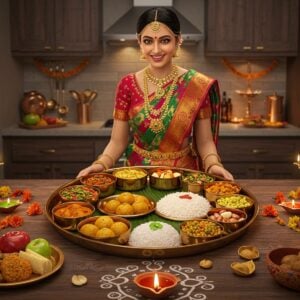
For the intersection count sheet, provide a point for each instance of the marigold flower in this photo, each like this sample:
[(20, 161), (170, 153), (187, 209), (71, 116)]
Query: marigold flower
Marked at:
[(34, 209), (279, 197), (269, 211)]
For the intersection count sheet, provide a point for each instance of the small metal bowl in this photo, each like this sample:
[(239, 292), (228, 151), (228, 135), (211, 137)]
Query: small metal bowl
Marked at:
[(214, 190), (105, 182), (131, 179), (165, 183), (202, 236), (70, 222), (120, 239), (75, 193), (235, 204), (229, 224)]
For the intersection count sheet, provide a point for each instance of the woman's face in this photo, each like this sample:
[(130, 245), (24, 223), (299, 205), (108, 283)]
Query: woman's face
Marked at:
[(158, 46)]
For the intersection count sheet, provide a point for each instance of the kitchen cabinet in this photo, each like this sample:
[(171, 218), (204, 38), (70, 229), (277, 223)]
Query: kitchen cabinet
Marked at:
[(49, 157), (260, 157), (56, 27), (252, 27)]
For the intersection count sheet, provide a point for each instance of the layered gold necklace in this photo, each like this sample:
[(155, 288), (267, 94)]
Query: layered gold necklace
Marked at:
[(156, 115)]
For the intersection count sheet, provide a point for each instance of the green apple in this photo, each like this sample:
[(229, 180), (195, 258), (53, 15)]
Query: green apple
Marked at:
[(40, 246), (31, 119)]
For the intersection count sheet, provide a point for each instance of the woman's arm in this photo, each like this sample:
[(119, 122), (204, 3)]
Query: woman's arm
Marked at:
[(113, 151), (207, 149)]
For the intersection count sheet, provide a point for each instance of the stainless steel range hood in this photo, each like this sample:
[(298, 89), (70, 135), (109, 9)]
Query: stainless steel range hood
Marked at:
[(125, 28)]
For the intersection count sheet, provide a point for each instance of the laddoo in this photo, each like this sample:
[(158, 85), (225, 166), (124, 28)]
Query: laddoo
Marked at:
[(15, 268), (104, 221), (119, 228), (105, 233), (89, 229)]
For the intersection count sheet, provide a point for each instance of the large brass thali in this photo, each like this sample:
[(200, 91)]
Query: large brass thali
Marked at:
[(128, 251)]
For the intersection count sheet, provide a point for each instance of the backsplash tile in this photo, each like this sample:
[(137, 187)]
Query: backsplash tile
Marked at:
[(102, 75)]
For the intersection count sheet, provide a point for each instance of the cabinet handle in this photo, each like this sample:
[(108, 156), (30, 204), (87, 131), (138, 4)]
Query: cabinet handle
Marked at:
[(48, 151), (260, 48), (60, 48), (259, 151), (247, 48), (47, 48)]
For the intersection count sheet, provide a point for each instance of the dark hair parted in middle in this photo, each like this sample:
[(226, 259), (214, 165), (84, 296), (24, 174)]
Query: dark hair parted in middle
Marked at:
[(163, 15)]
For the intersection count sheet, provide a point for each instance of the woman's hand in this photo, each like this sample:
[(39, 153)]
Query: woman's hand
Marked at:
[(90, 169), (220, 171)]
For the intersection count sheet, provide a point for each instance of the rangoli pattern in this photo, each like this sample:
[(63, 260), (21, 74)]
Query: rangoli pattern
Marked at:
[(120, 285)]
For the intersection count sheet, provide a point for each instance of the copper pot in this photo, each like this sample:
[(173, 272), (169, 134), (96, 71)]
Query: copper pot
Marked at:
[(274, 108), (34, 102)]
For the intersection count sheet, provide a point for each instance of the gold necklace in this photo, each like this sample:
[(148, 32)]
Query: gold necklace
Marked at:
[(160, 82), (156, 122)]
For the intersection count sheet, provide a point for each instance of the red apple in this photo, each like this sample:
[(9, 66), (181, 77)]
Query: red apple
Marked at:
[(14, 241)]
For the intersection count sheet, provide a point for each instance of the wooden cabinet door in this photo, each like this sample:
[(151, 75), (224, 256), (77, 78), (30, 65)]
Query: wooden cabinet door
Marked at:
[(229, 26), (276, 26), (77, 25), (56, 27), (31, 25), (252, 27)]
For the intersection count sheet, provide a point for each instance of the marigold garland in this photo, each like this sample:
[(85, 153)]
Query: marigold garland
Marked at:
[(250, 75), (59, 74)]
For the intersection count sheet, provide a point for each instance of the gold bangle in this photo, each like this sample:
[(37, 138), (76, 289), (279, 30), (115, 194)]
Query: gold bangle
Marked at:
[(213, 164), (211, 154), (100, 162), (108, 156)]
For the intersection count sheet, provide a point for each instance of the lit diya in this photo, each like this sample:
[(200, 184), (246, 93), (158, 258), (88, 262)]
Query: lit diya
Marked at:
[(9, 205), (156, 285), (291, 207)]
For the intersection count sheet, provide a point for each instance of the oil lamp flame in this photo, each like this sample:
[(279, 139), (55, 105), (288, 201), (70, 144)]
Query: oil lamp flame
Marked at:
[(156, 282), (293, 203)]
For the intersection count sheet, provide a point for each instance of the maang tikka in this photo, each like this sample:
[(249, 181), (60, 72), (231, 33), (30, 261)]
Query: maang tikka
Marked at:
[(155, 24)]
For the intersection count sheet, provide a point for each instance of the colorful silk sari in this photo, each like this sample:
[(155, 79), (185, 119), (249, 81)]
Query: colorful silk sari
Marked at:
[(195, 96)]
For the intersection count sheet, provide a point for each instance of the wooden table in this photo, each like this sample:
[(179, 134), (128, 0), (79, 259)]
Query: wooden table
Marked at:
[(264, 234)]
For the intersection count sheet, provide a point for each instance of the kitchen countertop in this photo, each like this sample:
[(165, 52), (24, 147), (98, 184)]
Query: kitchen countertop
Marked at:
[(96, 129), (110, 277)]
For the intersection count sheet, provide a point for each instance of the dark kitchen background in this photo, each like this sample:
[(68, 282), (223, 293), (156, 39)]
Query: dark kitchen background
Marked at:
[(275, 22)]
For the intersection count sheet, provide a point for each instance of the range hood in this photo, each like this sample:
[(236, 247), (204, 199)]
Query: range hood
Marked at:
[(125, 28)]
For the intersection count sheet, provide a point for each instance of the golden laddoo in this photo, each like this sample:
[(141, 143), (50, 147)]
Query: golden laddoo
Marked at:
[(112, 205), (124, 209), (105, 233), (15, 268), (141, 198), (89, 229), (104, 221), (119, 227), (140, 207), (126, 197)]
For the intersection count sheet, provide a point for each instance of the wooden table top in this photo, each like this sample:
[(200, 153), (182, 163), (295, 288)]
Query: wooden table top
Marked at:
[(110, 277)]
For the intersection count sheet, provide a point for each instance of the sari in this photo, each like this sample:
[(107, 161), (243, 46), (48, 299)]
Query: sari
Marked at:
[(195, 96)]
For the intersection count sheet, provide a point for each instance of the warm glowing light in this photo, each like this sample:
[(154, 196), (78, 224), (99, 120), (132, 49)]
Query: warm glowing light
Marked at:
[(156, 282), (298, 158), (293, 203)]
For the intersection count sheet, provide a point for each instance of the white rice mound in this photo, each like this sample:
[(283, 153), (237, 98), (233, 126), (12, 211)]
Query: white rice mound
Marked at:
[(173, 207), (144, 237)]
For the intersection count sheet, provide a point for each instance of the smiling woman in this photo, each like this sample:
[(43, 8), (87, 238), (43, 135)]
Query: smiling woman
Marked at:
[(164, 106)]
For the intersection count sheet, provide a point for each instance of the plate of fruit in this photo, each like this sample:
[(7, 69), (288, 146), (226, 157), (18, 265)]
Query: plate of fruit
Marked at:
[(24, 261)]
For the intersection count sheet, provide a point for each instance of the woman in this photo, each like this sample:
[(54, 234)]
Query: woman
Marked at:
[(164, 105)]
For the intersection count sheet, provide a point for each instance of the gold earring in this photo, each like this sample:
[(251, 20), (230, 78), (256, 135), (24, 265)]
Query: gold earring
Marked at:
[(142, 56), (176, 54)]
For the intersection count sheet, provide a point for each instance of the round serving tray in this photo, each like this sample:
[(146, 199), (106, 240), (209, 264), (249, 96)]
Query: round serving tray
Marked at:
[(128, 251)]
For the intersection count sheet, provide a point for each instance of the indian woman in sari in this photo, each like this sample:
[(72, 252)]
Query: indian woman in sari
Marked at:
[(171, 113)]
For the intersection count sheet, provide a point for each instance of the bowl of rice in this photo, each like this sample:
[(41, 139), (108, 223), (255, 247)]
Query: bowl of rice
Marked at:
[(131, 179), (165, 178), (181, 206), (105, 182), (200, 231), (214, 190), (154, 234)]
